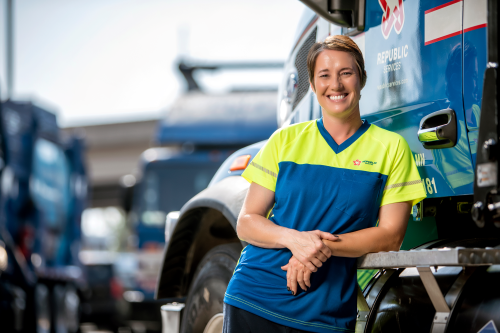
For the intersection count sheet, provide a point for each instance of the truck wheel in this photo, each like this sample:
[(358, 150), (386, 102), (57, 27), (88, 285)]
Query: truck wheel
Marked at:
[(203, 312)]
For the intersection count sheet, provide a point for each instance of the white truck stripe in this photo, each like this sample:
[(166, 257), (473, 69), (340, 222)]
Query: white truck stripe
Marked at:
[(475, 14), (443, 22)]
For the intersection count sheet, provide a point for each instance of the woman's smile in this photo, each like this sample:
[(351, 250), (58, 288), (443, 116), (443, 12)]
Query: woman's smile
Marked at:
[(338, 97)]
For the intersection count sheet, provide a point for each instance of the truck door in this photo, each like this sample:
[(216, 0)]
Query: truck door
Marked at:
[(474, 64), (414, 57)]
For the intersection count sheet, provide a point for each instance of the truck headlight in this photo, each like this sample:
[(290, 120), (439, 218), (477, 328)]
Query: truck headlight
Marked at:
[(4, 258)]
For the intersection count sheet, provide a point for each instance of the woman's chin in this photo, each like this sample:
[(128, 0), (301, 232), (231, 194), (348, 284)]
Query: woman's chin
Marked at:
[(341, 113)]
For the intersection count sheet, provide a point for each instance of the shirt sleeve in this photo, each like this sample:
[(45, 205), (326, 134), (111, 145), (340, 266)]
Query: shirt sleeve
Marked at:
[(403, 182), (264, 168)]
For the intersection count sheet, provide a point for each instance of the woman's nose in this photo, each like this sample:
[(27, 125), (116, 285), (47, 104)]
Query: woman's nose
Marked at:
[(336, 82)]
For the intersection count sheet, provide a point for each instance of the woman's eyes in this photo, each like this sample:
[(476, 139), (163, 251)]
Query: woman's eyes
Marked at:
[(343, 74)]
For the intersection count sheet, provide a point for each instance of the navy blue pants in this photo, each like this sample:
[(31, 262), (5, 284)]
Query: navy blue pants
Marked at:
[(237, 320)]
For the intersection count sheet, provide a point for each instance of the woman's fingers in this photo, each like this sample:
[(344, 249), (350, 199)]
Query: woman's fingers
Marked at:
[(297, 274), (307, 278), (305, 246), (316, 262), (321, 248), (325, 251), (309, 249), (322, 257), (304, 261), (300, 279), (310, 266), (285, 268), (288, 273), (293, 280), (327, 235)]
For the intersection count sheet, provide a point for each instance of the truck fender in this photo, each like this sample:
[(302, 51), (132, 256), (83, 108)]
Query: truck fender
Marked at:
[(205, 221)]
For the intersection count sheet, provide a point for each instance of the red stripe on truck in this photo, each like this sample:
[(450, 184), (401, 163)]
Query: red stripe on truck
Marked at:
[(444, 37), (442, 6), (476, 27)]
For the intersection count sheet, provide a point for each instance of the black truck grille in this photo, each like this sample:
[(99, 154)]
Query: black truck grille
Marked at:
[(301, 65)]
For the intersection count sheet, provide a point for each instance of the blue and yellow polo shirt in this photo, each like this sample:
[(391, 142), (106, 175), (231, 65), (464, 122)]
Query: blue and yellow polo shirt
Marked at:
[(319, 184)]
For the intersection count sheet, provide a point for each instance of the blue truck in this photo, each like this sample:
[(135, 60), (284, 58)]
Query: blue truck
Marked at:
[(198, 133), (43, 194), (432, 77)]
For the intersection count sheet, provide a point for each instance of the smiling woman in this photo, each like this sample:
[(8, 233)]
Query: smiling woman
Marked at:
[(328, 182), (337, 74)]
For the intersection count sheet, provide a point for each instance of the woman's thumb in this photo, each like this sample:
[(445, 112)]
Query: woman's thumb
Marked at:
[(329, 236)]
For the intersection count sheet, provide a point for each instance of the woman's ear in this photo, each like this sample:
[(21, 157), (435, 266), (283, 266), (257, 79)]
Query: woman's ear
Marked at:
[(364, 83), (312, 86)]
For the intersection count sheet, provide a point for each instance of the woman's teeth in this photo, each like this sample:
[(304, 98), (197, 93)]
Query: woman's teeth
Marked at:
[(335, 98)]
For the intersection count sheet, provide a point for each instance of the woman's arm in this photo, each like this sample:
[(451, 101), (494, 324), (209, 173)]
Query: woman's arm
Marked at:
[(256, 229), (387, 236)]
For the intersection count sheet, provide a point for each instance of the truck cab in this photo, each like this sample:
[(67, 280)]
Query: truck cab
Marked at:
[(427, 62), (44, 192)]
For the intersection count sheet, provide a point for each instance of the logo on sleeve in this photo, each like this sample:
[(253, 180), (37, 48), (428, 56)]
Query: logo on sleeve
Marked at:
[(357, 162)]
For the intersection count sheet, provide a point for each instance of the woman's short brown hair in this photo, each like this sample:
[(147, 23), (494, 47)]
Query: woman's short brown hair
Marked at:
[(337, 43)]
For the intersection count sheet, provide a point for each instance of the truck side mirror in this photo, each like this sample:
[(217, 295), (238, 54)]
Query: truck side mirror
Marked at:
[(345, 13)]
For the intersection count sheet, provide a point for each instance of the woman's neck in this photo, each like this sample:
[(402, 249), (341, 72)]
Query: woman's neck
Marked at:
[(341, 129)]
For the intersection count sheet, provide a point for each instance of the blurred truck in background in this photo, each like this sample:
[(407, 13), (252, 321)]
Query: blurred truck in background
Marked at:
[(432, 77), (43, 193), (199, 132)]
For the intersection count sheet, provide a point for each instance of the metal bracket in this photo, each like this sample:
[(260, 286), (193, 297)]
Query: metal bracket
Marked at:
[(437, 299), (363, 312), (365, 304), (361, 321), (469, 259), (440, 321), (432, 288), (361, 300), (171, 317), (443, 304)]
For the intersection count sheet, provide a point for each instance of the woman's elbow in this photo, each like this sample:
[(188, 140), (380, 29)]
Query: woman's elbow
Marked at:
[(240, 228), (395, 243), (390, 242)]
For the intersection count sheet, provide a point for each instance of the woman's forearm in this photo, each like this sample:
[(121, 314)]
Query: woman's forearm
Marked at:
[(254, 228), (388, 236), (259, 231), (358, 243)]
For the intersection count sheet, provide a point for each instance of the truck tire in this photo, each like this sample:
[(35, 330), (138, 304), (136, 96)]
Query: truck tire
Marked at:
[(206, 295)]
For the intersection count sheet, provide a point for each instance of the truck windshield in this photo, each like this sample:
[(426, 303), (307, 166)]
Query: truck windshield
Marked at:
[(49, 184), (167, 189)]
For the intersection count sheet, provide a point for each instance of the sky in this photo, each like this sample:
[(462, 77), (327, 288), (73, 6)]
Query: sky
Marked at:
[(102, 61)]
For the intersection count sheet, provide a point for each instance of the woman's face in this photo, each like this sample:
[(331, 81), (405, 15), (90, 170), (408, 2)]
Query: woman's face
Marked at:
[(337, 83)]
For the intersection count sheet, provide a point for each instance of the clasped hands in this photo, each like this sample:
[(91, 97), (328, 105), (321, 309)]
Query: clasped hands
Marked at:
[(308, 254)]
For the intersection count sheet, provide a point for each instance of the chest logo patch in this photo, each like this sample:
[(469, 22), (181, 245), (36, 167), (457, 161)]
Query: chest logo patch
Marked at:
[(358, 162)]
